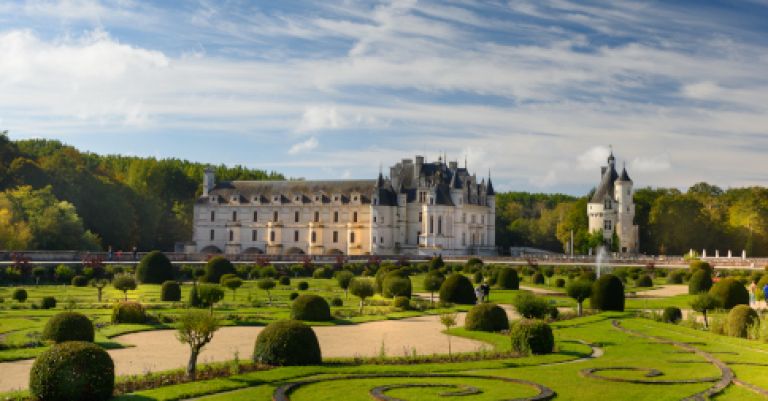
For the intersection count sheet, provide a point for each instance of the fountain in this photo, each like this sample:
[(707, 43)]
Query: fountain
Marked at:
[(600, 259)]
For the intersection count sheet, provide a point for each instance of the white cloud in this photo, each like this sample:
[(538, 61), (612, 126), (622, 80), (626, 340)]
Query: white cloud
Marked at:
[(593, 158), (304, 146), (702, 90), (653, 164), (319, 118)]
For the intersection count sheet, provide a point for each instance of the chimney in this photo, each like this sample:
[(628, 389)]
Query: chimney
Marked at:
[(417, 166), (453, 165), (209, 180)]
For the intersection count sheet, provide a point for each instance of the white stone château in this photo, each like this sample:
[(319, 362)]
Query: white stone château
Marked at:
[(420, 209), (612, 208)]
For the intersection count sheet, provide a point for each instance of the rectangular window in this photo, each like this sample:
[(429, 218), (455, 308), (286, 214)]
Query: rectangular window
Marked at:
[(234, 216), (374, 239), (254, 235), (482, 219), (354, 217), (351, 238), (231, 235), (314, 237), (296, 236), (374, 219), (274, 217), (272, 236), (213, 215), (431, 224), (420, 213), (317, 217), (335, 236), (296, 217), (382, 239), (255, 216), (212, 235), (439, 225), (335, 217)]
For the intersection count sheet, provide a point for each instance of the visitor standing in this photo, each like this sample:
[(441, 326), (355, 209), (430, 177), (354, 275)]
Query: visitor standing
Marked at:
[(753, 293), (486, 291), (479, 294), (135, 253), (765, 293), (110, 254)]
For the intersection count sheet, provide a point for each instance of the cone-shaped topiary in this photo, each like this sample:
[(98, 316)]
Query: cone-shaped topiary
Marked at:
[(170, 291), (154, 268), (74, 370), (217, 267), (608, 294), (507, 279), (68, 326), (730, 293), (287, 343), (701, 281), (531, 337), (740, 318), (313, 308), (671, 314), (458, 290), (697, 265), (486, 317), (644, 281)]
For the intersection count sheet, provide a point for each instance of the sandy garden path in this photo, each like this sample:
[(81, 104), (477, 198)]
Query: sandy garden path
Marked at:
[(667, 290), (159, 350)]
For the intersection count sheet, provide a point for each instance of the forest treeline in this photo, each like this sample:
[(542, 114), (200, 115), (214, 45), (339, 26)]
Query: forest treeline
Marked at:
[(53, 196)]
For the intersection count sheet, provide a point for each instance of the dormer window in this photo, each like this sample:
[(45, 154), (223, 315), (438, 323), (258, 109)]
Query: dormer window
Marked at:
[(607, 204), (335, 198), (213, 198), (275, 198), (317, 198), (297, 199)]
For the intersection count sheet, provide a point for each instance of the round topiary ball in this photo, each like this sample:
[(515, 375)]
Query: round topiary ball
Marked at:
[(644, 281), (458, 290), (700, 281), (79, 281), (532, 337), (293, 295), (170, 292), (396, 284), (560, 283), (507, 279), (19, 295), (129, 312), (47, 303), (336, 301), (403, 303), (538, 278), (68, 326), (671, 314), (74, 370), (739, 320), (287, 343), (217, 267), (154, 268), (303, 286), (486, 317), (608, 294), (313, 308), (730, 293), (284, 280)]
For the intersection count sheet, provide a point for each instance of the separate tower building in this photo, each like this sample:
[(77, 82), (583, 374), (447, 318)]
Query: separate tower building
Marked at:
[(612, 208)]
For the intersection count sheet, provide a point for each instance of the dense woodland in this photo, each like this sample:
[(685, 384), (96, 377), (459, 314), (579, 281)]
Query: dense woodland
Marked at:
[(53, 196)]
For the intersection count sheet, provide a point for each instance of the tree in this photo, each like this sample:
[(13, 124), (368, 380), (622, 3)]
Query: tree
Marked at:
[(64, 273), (196, 328), (448, 320), (232, 282), (704, 302), (432, 283), (209, 295), (124, 283), (579, 290), (99, 284), (39, 272), (267, 284), (344, 278), (362, 288)]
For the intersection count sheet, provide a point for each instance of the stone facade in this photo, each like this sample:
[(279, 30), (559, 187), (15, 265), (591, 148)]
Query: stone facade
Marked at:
[(612, 208), (421, 208)]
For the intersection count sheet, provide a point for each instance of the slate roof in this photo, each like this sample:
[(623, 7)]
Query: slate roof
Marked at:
[(305, 190), (606, 185)]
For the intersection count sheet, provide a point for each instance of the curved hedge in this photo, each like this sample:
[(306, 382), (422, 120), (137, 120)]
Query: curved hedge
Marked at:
[(170, 291), (671, 314), (730, 293), (507, 279), (217, 267), (486, 317), (700, 281), (739, 320), (154, 268), (287, 343), (608, 294), (68, 326), (309, 307), (128, 312), (458, 290), (532, 337), (74, 370)]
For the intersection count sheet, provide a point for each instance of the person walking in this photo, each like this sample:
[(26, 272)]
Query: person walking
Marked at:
[(486, 291)]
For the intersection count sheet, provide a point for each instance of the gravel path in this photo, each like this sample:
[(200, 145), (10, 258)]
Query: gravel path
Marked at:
[(160, 350)]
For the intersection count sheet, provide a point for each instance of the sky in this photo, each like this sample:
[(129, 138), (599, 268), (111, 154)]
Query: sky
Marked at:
[(533, 91)]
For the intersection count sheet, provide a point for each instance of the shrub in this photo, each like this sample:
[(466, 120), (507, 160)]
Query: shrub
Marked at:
[(700, 281), (303, 286), (458, 290), (579, 290), (312, 308), (530, 306), (532, 337), (560, 283), (68, 326), (268, 271), (395, 285), (538, 278), (608, 294), (507, 279), (287, 343), (644, 281), (477, 277), (19, 295), (321, 273), (739, 320), (170, 292), (47, 303), (217, 267), (486, 317), (74, 370), (671, 314), (588, 275), (209, 294), (362, 288), (336, 301), (124, 283), (284, 280), (730, 293), (698, 265), (293, 295), (401, 302), (154, 268), (436, 263), (79, 281), (676, 277), (128, 312)]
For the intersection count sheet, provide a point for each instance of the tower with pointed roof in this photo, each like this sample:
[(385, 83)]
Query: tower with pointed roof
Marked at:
[(612, 208)]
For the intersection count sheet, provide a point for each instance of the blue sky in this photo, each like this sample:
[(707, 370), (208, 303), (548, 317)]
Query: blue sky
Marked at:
[(533, 90)]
